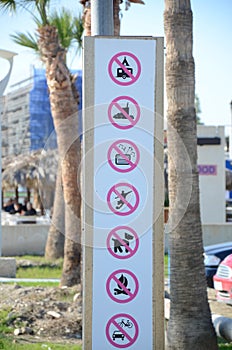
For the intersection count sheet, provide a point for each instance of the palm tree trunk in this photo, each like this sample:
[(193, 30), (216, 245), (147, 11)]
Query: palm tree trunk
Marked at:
[(64, 112), (55, 242), (117, 25), (190, 325), (86, 16)]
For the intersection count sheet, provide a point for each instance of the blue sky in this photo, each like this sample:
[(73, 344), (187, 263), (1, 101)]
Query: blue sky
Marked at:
[(212, 26)]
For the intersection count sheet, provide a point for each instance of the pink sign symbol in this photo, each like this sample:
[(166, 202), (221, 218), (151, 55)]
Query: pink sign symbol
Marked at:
[(122, 286), (123, 156), (122, 331), (124, 68), (122, 242), (122, 114), (207, 169), (126, 200)]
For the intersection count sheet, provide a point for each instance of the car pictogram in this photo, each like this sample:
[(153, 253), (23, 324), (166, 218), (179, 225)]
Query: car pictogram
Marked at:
[(118, 334)]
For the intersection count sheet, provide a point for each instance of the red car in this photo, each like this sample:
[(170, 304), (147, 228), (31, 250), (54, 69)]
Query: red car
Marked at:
[(223, 280)]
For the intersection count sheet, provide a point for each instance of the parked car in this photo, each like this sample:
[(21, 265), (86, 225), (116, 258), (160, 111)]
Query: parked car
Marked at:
[(213, 255), (223, 280)]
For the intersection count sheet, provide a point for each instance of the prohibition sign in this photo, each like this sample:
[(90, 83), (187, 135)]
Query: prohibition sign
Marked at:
[(128, 335), (122, 119), (122, 190), (122, 293), (123, 156), (120, 64), (122, 248)]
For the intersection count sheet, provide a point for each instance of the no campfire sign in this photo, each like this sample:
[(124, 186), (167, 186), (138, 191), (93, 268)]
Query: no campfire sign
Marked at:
[(123, 194)]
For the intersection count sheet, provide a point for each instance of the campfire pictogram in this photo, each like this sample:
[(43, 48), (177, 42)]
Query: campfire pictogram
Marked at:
[(121, 290)]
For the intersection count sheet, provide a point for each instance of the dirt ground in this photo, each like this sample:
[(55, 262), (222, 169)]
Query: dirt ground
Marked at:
[(53, 314), (38, 314)]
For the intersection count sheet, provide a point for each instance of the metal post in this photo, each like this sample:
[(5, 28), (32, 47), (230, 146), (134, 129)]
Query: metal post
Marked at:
[(230, 137), (3, 83), (102, 22)]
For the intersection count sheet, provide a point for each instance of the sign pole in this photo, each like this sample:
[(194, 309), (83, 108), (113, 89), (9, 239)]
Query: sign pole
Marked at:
[(102, 17)]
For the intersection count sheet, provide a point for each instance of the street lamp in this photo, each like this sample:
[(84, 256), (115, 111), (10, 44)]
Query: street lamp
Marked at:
[(7, 55)]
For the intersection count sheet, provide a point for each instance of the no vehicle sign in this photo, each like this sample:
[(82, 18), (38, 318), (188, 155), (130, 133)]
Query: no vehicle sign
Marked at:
[(122, 331), (124, 68)]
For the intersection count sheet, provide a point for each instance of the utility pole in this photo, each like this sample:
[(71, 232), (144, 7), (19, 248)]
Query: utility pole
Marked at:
[(102, 21)]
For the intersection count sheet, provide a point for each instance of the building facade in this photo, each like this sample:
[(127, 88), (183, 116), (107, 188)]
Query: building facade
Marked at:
[(27, 123)]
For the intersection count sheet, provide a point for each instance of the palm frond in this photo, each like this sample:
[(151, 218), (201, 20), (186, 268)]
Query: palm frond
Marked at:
[(69, 28), (27, 40), (42, 7), (138, 2), (63, 21), (8, 5), (78, 29)]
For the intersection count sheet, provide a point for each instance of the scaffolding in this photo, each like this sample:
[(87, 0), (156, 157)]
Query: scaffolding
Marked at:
[(26, 115)]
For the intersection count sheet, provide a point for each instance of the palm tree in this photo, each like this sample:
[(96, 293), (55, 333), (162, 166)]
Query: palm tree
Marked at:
[(190, 325), (64, 112), (70, 30)]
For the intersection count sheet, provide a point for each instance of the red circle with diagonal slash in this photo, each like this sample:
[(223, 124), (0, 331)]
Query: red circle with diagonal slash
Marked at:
[(115, 234), (131, 207), (115, 60), (115, 147), (128, 119), (130, 295), (113, 324)]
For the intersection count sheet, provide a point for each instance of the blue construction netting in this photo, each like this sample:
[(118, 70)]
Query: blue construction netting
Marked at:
[(42, 134)]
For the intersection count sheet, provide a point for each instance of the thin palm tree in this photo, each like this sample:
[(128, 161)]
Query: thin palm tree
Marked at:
[(70, 30), (190, 325), (64, 112)]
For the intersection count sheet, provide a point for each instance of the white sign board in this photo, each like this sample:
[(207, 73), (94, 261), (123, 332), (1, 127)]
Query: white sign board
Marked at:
[(123, 193)]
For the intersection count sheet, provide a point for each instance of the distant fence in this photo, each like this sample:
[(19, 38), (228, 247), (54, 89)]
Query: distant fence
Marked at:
[(24, 239), (212, 234)]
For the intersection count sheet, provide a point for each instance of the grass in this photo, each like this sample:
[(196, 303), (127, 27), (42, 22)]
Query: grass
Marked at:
[(223, 345), (46, 269), (166, 265), (7, 344), (38, 272), (4, 322)]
